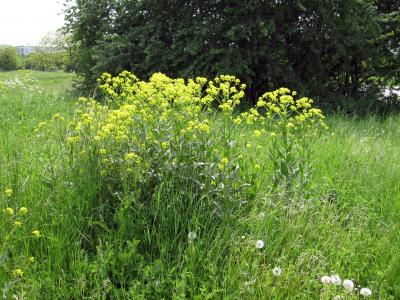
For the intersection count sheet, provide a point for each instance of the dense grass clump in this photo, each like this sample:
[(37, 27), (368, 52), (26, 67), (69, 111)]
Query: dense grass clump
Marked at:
[(164, 191)]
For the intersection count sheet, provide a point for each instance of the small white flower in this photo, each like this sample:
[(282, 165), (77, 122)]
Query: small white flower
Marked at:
[(259, 244), (325, 279), (348, 285), (277, 271), (335, 279), (192, 236), (366, 292)]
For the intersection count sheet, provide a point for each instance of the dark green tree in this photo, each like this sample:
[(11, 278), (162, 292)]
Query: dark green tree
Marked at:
[(8, 58), (318, 47)]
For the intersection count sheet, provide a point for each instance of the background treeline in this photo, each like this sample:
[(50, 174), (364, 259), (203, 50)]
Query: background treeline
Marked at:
[(39, 60), (328, 49), (48, 61)]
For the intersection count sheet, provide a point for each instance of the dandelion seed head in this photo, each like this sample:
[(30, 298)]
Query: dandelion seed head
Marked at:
[(335, 279), (192, 236), (348, 285), (366, 292), (260, 244), (326, 279), (277, 271)]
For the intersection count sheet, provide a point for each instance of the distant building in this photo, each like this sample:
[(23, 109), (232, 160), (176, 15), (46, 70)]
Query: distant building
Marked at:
[(25, 50), (28, 50)]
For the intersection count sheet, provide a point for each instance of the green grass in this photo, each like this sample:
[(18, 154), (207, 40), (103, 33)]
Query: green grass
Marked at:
[(345, 221), (38, 80)]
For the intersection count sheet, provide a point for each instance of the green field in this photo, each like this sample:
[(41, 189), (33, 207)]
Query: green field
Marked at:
[(93, 242)]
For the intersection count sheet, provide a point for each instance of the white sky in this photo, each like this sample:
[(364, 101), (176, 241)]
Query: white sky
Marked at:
[(26, 22)]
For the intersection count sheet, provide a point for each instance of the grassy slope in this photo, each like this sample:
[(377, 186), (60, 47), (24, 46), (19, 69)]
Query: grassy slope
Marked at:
[(347, 223)]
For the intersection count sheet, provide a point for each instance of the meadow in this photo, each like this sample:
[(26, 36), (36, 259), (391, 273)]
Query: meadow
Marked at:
[(186, 203)]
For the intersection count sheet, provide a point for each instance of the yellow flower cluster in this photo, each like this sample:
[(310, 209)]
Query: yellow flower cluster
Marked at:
[(281, 106), (139, 119)]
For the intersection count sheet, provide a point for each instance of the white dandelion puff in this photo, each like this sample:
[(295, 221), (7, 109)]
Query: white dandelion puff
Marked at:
[(192, 236), (325, 279), (348, 285), (259, 244), (335, 279), (277, 271), (366, 292)]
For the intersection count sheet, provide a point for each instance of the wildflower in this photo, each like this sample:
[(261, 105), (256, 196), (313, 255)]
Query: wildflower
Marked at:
[(248, 145), (36, 233), (192, 236), (348, 285), (23, 210), (9, 211), (366, 292), (223, 164), (260, 244), (17, 223), (257, 133), (164, 145), (213, 183), (102, 151), (272, 134), (325, 279), (277, 271), (8, 192), (335, 279), (31, 259), (57, 117), (18, 273)]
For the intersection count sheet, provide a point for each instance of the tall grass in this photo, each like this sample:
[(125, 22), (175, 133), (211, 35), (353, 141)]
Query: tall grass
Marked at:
[(121, 235)]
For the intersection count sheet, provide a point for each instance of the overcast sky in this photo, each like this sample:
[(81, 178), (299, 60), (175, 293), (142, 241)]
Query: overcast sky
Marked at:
[(25, 22)]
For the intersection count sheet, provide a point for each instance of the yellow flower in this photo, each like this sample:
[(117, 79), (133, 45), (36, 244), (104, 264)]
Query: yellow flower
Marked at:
[(164, 145), (57, 117), (17, 223), (23, 210), (257, 133), (248, 145), (8, 192), (31, 259), (273, 134), (18, 273), (36, 233), (9, 211), (102, 151), (213, 183)]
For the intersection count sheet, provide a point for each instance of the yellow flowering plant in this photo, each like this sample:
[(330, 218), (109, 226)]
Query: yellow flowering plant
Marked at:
[(182, 137), (292, 124)]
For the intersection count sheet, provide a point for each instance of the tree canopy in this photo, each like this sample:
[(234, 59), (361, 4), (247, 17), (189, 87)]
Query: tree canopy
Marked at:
[(318, 47)]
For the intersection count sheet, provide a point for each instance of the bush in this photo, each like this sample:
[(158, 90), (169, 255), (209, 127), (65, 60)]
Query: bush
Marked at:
[(8, 58), (163, 162)]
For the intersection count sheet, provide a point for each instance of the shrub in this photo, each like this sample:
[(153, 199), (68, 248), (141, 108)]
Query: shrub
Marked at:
[(8, 58)]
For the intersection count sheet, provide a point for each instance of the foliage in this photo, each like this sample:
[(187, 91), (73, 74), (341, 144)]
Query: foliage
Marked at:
[(48, 61), (8, 58), (319, 48), (126, 243), (2, 88)]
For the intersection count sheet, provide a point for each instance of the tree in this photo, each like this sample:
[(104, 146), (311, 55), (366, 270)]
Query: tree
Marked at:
[(318, 47), (8, 58)]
